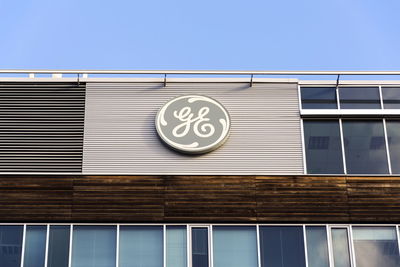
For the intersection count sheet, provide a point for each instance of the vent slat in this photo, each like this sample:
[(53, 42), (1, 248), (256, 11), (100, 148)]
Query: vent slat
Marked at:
[(41, 127)]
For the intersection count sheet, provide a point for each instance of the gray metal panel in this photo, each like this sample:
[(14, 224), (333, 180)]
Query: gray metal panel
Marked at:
[(120, 136), (41, 127)]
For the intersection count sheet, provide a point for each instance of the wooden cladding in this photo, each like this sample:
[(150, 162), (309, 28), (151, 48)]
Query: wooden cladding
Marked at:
[(244, 199)]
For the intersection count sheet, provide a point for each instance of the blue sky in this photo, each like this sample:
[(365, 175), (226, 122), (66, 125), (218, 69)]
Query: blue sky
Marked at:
[(206, 34)]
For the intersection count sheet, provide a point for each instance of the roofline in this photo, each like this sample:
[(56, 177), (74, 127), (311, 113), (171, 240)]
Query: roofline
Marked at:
[(196, 72)]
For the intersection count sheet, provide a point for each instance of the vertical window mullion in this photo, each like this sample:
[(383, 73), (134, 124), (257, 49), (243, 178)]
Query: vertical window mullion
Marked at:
[(342, 144), (351, 247), (210, 246), (23, 246), (258, 246), (398, 238), (188, 246), (303, 144), (338, 97), (380, 96), (330, 250), (387, 146), (117, 248), (305, 245), (47, 246), (70, 244), (164, 246)]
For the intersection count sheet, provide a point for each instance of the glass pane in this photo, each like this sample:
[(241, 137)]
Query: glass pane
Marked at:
[(340, 247), (318, 97), (359, 98), (282, 246), (176, 246), (235, 246), (58, 246), (141, 246), (376, 246), (393, 132), (323, 147), (200, 247), (317, 246), (10, 245), (365, 147), (94, 246), (35, 246), (391, 97)]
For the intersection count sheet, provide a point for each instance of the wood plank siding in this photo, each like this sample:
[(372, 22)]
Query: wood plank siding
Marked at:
[(58, 198)]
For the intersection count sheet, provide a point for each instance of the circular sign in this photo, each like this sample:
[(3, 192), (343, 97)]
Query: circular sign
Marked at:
[(193, 124)]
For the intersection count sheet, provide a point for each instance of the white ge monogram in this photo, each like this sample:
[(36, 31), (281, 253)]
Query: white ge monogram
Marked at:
[(193, 124), (200, 127)]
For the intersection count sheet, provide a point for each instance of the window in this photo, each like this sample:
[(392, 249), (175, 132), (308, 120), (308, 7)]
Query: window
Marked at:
[(359, 98), (393, 136), (391, 97), (141, 246), (376, 246), (235, 246), (318, 97), (35, 246), (282, 246), (365, 147), (340, 247), (200, 247), (176, 246), (94, 246), (10, 245), (58, 253), (323, 146), (317, 246)]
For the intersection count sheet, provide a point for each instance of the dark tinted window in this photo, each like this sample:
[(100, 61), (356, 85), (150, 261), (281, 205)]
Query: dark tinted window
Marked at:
[(323, 146), (10, 245), (393, 132), (200, 247), (317, 246), (359, 98), (365, 147), (391, 97), (282, 246), (58, 246), (318, 97)]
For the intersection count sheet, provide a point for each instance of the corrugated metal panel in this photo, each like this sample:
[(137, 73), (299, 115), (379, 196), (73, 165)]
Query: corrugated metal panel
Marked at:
[(120, 135), (41, 127)]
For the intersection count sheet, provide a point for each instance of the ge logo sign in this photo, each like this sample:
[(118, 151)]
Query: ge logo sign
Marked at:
[(193, 124)]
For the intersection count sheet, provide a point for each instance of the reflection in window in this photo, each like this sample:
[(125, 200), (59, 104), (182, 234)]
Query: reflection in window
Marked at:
[(282, 246), (323, 147), (94, 246), (35, 246), (58, 246), (376, 246), (365, 147), (391, 97), (199, 247), (235, 246), (176, 246), (318, 98), (141, 246), (10, 245), (317, 246), (393, 133), (359, 98), (340, 247)]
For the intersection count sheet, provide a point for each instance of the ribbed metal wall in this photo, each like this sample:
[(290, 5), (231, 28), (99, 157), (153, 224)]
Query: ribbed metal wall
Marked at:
[(41, 127), (120, 136)]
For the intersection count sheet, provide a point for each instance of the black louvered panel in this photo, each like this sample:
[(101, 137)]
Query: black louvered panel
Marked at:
[(41, 127)]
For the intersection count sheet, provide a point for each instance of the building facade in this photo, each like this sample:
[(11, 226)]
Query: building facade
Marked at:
[(116, 172)]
